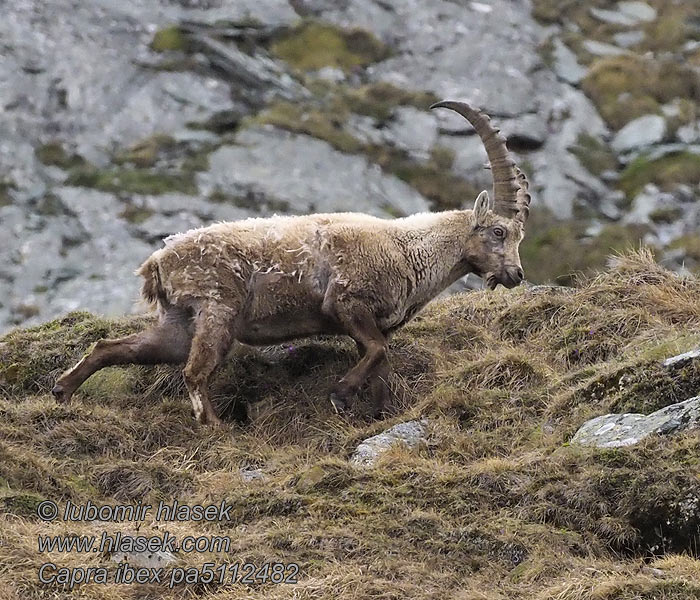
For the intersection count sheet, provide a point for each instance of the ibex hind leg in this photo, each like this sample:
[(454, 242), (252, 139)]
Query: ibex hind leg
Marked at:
[(167, 342), (212, 340)]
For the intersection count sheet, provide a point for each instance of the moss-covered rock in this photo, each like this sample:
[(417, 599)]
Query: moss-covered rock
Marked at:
[(594, 154), (146, 152), (313, 45), (53, 153), (379, 99), (666, 172), (5, 197), (135, 181), (170, 38), (629, 86), (314, 121)]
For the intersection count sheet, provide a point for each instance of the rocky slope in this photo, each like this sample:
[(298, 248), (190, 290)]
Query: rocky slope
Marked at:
[(124, 123), (490, 498)]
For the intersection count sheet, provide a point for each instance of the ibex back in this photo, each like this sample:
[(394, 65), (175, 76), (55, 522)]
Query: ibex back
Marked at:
[(263, 281)]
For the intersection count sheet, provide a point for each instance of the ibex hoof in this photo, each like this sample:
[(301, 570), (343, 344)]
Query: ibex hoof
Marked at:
[(210, 420), (339, 405), (60, 394)]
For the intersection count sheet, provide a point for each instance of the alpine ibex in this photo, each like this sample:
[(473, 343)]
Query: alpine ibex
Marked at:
[(269, 280)]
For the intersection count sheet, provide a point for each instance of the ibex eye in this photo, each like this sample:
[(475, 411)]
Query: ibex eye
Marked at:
[(498, 232)]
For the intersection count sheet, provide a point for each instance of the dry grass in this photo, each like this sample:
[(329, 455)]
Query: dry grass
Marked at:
[(497, 506)]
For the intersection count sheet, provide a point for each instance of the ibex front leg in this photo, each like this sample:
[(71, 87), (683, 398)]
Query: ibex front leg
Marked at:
[(360, 325)]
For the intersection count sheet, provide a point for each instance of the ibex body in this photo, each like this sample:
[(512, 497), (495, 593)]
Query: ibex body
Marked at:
[(262, 281)]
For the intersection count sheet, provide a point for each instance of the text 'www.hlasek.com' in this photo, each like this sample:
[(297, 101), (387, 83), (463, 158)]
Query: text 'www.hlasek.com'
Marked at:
[(142, 558)]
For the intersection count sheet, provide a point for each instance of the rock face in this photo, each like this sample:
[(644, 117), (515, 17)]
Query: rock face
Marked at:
[(125, 122), (614, 431), (411, 433)]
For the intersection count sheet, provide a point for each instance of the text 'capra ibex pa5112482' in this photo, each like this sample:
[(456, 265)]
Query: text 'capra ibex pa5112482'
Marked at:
[(268, 280)]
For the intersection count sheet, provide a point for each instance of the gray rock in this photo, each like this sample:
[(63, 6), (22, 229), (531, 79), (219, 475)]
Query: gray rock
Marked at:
[(614, 17), (413, 130), (627, 39), (561, 179), (148, 560), (627, 13), (529, 130), (682, 359), (614, 431), (434, 49), (566, 65), (644, 131), (644, 204), (656, 152), (690, 133), (411, 433), (602, 49), (307, 175), (252, 474), (640, 11)]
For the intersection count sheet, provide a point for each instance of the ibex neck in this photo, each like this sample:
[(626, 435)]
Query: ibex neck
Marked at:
[(435, 248)]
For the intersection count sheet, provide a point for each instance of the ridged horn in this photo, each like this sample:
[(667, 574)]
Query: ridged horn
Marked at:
[(510, 198)]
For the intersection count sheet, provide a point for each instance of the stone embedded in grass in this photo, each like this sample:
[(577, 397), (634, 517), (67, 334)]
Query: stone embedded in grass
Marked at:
[(145, 559), (412, 433), (615, 431), (682, 359)]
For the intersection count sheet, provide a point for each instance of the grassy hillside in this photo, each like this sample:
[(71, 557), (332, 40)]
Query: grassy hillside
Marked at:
[(496, 506)]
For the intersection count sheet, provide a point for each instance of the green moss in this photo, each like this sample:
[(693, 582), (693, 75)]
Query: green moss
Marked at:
[(666, 172), (551, 11), (42, 352), (311, 121), (5, 197), (111, 382), (313, 45), (666, 33), (666, 215), (558, 251), (445, 190), (23, 505), (593, 154), (379, 99), (251, 201), (135, 181), (135, 214), (55, 154), (168, 39), (629, 86), (146, 152), (442, 157)]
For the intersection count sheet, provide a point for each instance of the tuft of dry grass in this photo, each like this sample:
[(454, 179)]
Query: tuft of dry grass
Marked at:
[(496, 506)]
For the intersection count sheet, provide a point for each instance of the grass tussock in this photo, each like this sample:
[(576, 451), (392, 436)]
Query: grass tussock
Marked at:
[(496, 506)]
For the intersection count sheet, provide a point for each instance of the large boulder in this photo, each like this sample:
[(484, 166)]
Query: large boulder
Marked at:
[(614, 431)]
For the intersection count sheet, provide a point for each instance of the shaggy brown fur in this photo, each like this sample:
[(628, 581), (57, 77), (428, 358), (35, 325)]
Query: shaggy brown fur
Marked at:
[(263, 281)]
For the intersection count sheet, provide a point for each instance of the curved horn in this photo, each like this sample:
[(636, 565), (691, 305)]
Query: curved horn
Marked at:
[(510, 199)]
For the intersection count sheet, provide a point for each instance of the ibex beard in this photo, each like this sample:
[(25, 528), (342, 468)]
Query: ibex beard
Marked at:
[(265, 281)]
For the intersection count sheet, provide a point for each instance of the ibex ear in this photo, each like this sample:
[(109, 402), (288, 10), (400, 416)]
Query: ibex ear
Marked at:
[(481, 207)]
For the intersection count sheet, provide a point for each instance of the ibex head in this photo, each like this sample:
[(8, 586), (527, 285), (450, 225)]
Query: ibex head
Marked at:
[(498, 227)]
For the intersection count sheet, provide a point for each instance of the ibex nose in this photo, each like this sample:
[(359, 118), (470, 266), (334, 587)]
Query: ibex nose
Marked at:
[(515, 274)]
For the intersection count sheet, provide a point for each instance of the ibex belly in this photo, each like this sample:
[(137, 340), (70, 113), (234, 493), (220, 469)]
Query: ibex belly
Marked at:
[(279, 308)]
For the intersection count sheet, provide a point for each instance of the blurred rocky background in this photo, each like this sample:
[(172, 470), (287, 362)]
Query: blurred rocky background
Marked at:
[(123, 122)]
